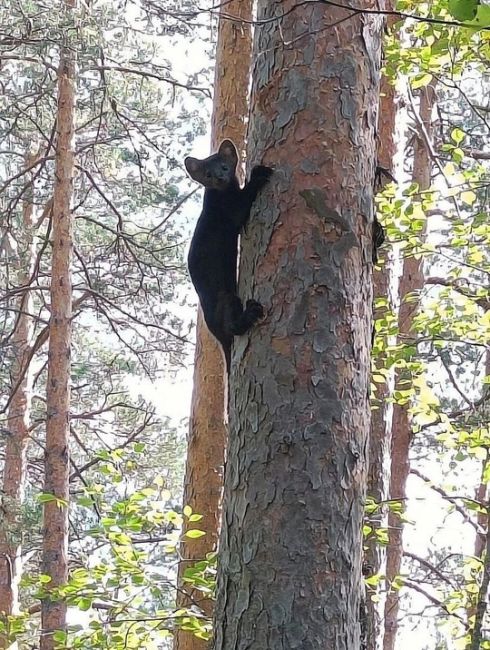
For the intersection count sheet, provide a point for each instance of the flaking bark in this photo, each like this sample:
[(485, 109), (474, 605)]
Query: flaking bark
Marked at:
[(290, 549)]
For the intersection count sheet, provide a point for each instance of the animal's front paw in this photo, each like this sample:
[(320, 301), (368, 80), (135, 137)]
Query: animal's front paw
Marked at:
[(261, 174), (254, 310)]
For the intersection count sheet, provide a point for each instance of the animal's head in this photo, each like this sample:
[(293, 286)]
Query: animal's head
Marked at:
[(217, 171)]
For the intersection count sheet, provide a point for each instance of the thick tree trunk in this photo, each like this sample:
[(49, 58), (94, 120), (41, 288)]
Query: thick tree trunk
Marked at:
[(411, 281), (381, 412), (55, 524), (203, 484), (290, 550), (18, 416)]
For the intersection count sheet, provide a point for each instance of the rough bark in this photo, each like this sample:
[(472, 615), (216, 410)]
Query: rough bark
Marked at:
[(380, 430), (203, 484), (55, 522), (290, 550), (18, 417), (411, 281)]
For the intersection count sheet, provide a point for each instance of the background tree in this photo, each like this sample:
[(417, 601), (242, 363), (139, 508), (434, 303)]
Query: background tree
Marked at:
[(389, 146), (203, 484), (430, 381), (127, 268), (411, 284), (18, 415), (56, 459)]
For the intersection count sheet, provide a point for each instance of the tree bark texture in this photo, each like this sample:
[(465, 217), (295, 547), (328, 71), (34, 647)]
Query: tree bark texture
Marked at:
[(411, 282), (18, 419), (290, 551), (203, 485), (381, 412), (55, 522)]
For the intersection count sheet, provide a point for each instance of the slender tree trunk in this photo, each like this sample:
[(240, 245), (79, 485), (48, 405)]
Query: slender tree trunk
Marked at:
[(478, 634), (14, 472), (203, 484), (411, 281), (289, 574), (482, 539), (482, 516), (482, 489), (55, 524), (381, 411)]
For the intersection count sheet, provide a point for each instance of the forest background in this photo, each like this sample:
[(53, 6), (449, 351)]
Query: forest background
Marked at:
[(100, 104)]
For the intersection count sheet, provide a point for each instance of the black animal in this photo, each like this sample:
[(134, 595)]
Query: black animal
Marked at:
[(214, 248), (381, 177)]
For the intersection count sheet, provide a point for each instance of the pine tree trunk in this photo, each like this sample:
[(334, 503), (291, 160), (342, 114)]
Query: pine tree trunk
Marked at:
[(203, 484), (18, 417), (412, 280), (289, 574), (55, 524)]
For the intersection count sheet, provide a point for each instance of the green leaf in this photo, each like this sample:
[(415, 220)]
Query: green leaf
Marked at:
[(195, 533), (44, 579), (457, 135), (84, 604), (483, 16), (468, 197), (420, 81), (463, 9)]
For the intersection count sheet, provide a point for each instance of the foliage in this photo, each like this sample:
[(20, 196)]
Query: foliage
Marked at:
[(119, 591), (138, 109), (444, 363)]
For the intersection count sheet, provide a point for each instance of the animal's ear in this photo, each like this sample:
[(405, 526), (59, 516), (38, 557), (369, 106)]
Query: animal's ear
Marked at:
[(194, 168), (228, 150)]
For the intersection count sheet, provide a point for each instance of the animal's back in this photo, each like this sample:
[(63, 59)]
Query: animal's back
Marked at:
[(212, 258)]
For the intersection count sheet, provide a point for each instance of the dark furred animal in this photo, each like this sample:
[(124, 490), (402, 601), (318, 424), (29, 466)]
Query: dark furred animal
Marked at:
[(214, 248)]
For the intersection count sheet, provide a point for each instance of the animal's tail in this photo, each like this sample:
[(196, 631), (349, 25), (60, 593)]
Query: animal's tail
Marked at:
[(227, 353)]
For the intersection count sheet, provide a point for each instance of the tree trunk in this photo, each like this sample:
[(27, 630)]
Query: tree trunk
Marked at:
[(289, 574), (18, 416), (481, 493), (203, 484), (482, 535), (412, 280), (381, 412), (55, 524)]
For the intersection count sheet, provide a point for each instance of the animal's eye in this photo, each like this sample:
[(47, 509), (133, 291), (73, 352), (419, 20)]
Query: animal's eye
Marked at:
[(224, 168), (208, 174)]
